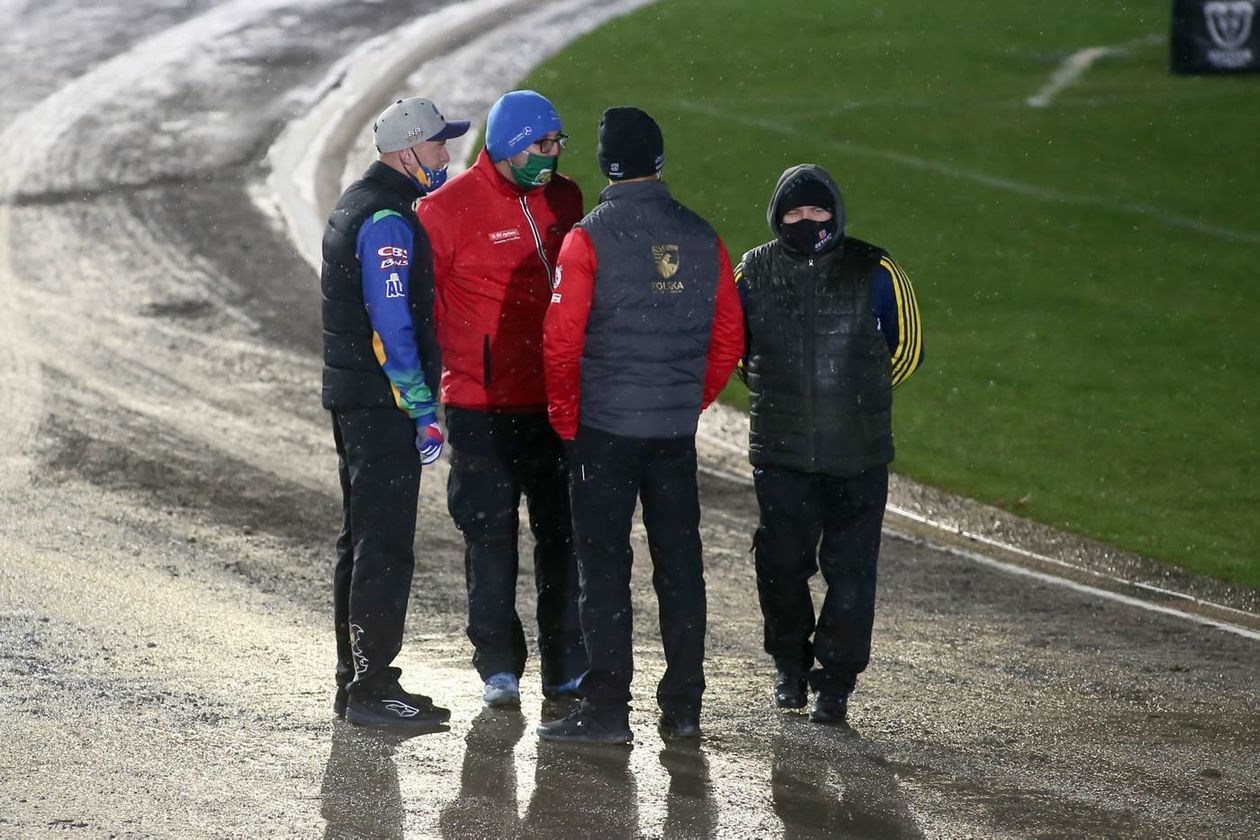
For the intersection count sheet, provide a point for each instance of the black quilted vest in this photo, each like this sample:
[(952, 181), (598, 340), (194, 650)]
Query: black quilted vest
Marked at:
[(819, 370), (353, 377), (647, 339)]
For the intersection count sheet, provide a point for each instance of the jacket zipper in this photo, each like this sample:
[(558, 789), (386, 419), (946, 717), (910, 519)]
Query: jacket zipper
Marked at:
[(538, 242), (810, 320)]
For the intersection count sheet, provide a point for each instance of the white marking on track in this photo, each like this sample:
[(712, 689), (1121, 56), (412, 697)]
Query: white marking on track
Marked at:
[(471, 52), (1013, 569), (738, 478)]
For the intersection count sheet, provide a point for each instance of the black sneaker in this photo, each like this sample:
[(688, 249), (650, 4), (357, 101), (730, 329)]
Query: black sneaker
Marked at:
[(395, 708), (830, 708), (339, 701), (679, 725), (789, 691), (581, 726)]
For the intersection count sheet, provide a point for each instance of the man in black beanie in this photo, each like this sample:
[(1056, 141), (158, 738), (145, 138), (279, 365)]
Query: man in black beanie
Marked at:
[(630, 145), (643, 330)]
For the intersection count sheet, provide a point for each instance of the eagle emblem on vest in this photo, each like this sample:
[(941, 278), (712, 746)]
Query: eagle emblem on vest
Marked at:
[(666, 259)]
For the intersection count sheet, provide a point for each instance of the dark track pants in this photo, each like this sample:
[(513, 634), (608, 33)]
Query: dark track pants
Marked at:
[(380, 487), (797, 509), (495, 458), (609, 474)]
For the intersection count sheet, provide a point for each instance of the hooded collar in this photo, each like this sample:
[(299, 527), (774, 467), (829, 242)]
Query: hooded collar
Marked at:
[(790, 177)]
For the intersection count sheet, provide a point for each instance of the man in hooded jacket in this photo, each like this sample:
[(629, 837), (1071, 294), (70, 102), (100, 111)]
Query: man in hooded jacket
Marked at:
[(832, 327)]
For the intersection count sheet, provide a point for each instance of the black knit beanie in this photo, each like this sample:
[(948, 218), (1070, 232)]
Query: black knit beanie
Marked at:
[(805, 192), (630, 144)]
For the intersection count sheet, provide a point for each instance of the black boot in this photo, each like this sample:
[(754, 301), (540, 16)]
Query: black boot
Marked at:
[(789, 691), (679, 724), (830, 708)]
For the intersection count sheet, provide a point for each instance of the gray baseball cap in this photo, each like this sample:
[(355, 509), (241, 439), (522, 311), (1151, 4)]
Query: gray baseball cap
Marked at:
[(410, 121)]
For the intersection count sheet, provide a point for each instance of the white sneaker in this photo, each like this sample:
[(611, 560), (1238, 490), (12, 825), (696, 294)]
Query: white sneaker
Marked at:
[(502, 689)]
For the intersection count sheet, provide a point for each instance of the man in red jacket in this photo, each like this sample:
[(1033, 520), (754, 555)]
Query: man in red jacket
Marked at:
[(496, 231), (644, 329)]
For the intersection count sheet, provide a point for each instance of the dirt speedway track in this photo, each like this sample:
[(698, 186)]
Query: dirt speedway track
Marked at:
[(168, 504)]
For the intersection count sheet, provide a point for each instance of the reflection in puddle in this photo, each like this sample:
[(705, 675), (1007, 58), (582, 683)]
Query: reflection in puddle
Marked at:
[(486, 805), (360, 797), (824, 782), (690, 809), (586, 785), (578, 788), (833, 783)]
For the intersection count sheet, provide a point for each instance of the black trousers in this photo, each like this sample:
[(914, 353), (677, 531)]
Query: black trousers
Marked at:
[(380, 487), (797, 510), (495, 458), (609, 474)]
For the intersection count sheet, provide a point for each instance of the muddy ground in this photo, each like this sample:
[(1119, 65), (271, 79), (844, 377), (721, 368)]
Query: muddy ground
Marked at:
[(168, 504)]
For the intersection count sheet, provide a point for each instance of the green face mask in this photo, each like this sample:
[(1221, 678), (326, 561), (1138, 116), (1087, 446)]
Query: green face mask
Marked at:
[(536, 172)]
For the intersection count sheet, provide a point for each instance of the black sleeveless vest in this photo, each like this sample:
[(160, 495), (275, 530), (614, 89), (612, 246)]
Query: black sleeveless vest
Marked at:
[(819, 370), (353, 377), (647, 338)]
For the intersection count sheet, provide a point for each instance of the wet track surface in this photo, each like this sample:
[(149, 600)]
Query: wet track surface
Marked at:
[(168, 503)]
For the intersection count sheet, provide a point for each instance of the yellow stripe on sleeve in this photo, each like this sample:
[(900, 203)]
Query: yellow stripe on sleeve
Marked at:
[(909, 350)]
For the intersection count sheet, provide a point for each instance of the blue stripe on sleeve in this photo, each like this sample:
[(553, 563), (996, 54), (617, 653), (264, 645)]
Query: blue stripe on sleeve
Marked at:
[(884, 304), (384, 251)]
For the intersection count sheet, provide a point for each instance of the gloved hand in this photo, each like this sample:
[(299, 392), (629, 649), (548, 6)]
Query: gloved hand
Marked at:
[(429, 440)]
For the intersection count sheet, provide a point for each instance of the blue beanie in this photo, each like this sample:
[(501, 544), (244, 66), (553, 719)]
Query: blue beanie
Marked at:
[(516, 121)]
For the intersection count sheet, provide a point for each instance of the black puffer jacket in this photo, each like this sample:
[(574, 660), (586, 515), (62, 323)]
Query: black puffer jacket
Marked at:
[(818, 367)]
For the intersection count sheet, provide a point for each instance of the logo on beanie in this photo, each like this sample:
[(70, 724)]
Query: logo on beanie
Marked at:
[(520, 135), (666, 259)]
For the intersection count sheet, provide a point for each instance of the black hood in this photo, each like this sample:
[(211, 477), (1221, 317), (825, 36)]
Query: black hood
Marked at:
[(793, 175)]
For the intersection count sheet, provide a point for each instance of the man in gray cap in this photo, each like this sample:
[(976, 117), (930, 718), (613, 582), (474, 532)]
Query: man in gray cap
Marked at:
[(380, 360)]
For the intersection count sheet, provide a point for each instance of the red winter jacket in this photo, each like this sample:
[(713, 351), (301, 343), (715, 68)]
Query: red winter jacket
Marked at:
[(494, 255)]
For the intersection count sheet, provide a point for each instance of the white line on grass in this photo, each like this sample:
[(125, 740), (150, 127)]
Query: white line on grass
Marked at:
[(738, 478), (1075, 65), (1069, 71), (1018, 187)]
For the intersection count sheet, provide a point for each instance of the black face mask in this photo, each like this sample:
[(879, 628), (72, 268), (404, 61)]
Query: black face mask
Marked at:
[(809, 238)]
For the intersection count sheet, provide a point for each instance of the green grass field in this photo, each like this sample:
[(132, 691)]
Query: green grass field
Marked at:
[(1086, 271)]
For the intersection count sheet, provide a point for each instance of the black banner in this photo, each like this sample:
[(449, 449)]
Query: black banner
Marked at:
[(1216, 36)]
